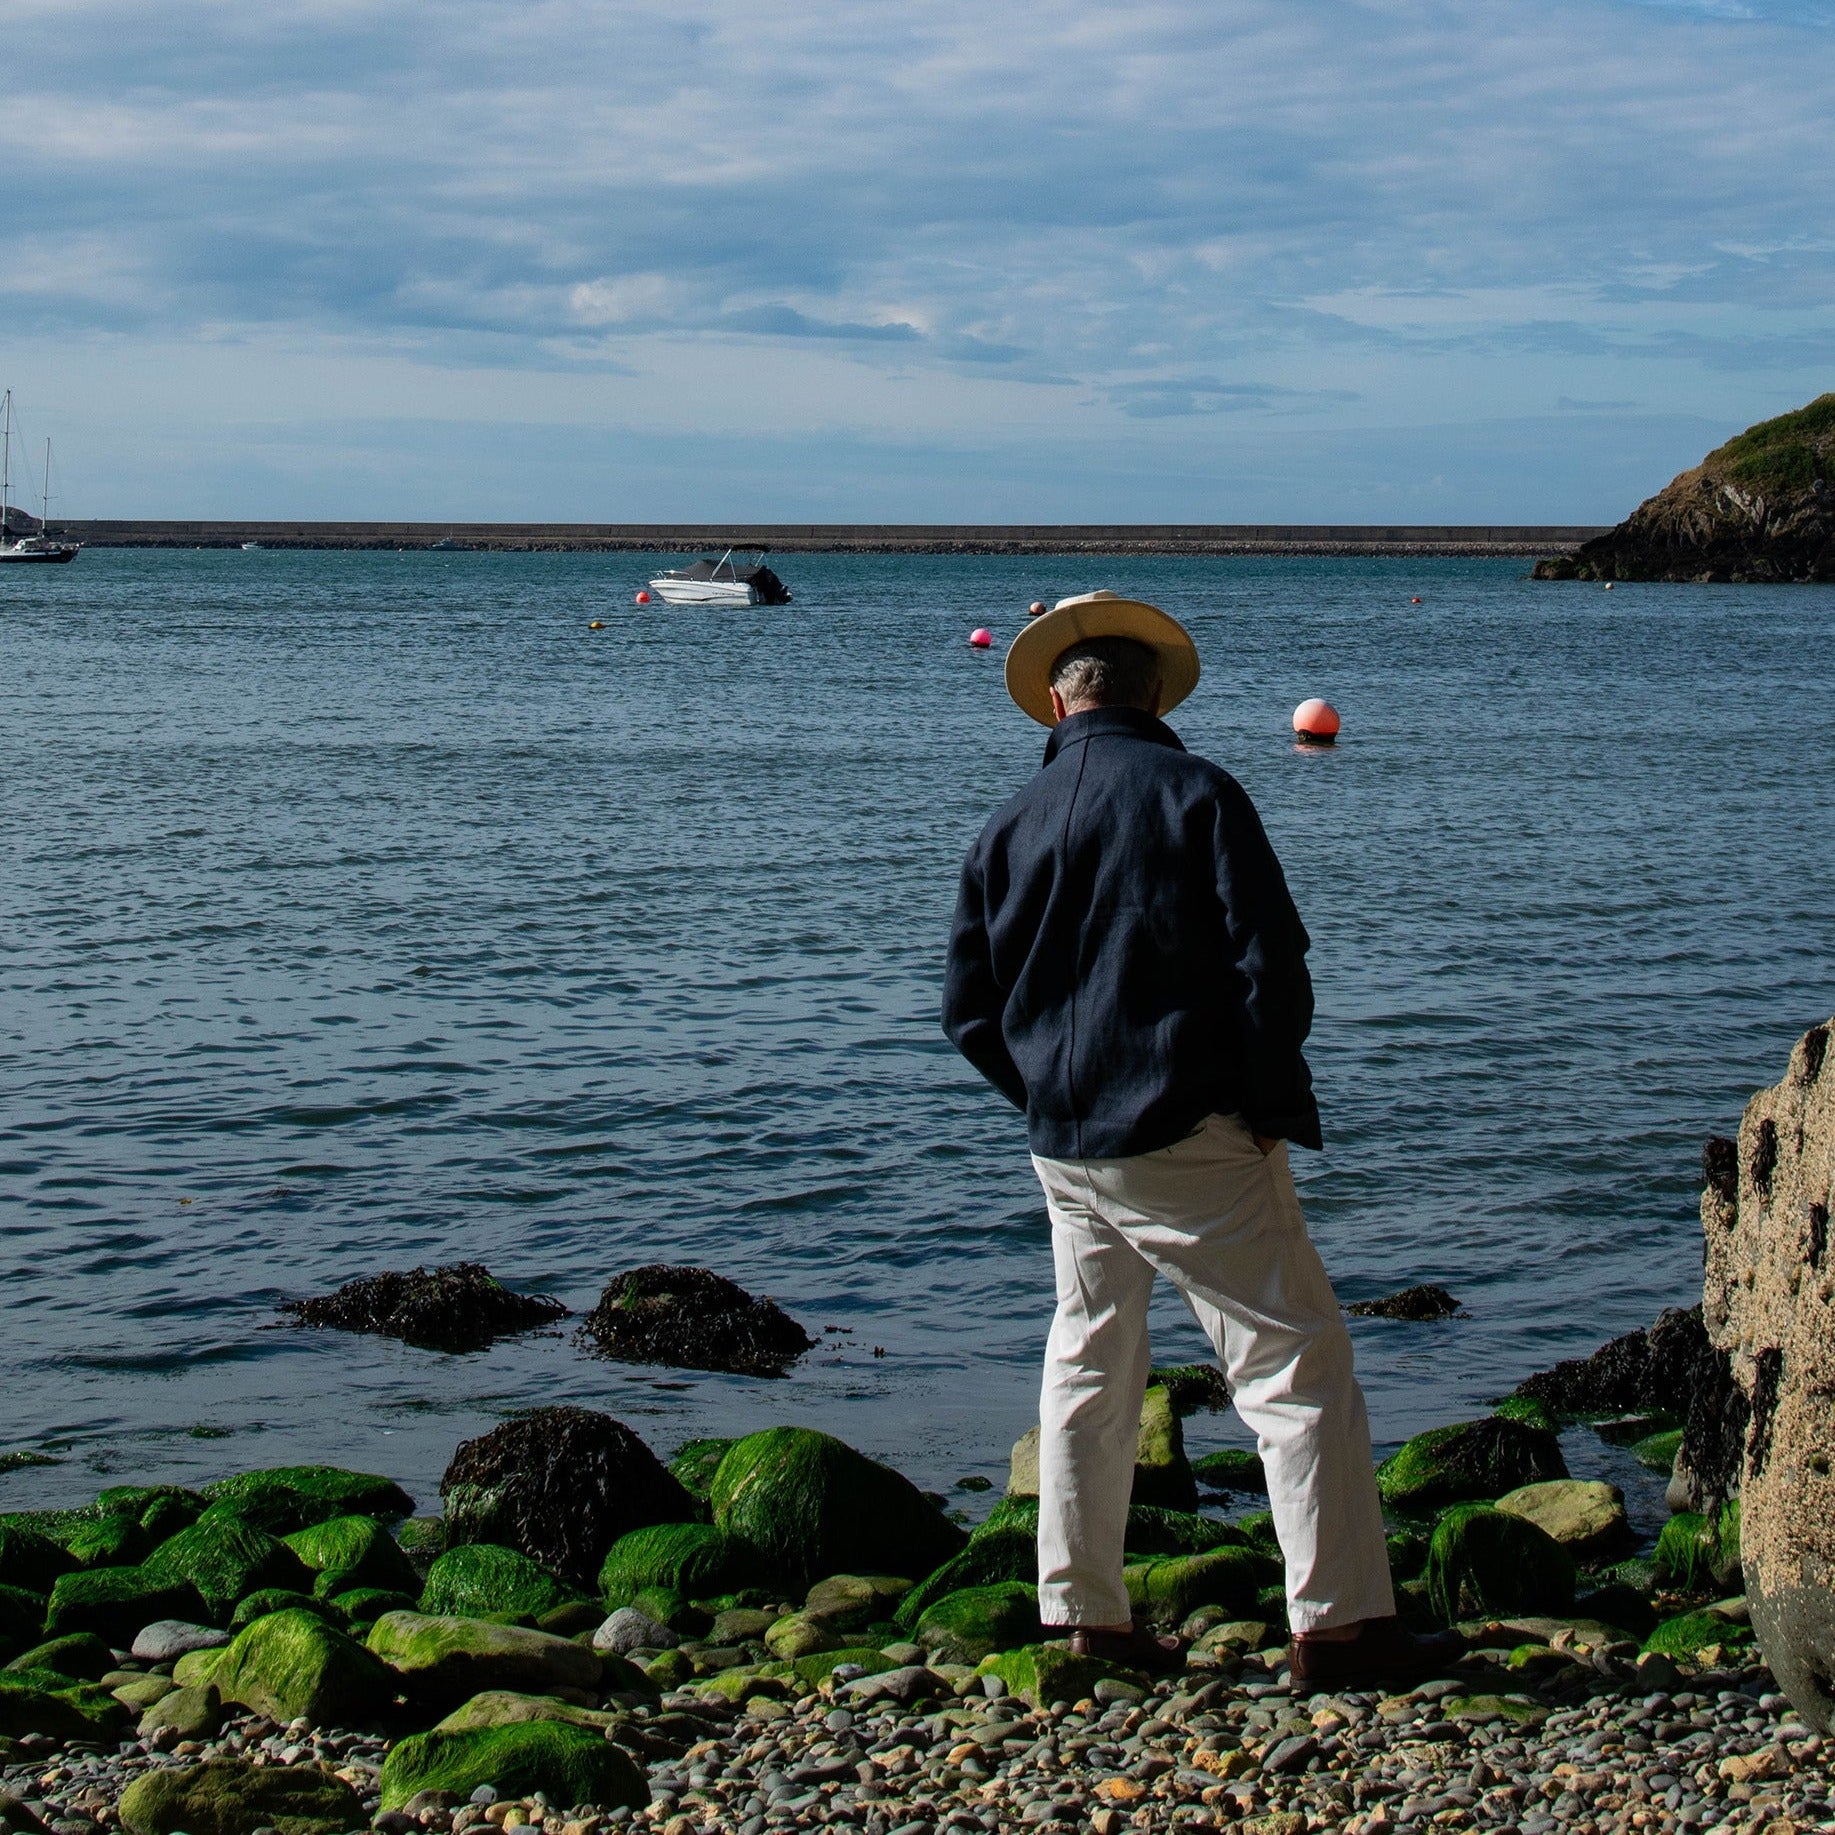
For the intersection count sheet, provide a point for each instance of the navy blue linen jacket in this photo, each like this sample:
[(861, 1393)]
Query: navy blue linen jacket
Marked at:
[(1126, 958)]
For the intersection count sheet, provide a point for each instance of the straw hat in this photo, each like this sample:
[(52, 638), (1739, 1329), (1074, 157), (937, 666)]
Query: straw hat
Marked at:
[(1100, 614)]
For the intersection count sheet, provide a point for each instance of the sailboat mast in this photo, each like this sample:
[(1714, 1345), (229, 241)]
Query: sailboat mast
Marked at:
[(6, 459), (44, 502)]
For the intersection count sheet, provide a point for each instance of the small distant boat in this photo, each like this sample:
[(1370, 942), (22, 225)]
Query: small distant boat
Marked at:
[(250, 547), (39, 547), (721, 582)]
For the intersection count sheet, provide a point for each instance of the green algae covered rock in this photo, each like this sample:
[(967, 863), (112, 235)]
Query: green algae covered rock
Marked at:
[(291, 1664), (449, 1660), (233, 1797), (281, 1599), (191, 1713), (1692, 1633), (964, 1627), (31, 1561), (1657, 1452), (855, 1601), (1470, 1459), (1167, 1590), (80, 1655), (1681, 1554), (1155, 1531), (812, 1506), (1006, 1552), (797, 1635), (1043, 1673), (572, 1764), (812, 1672), (745, 1682), (695, 1463), (117, 1540), (22, 1616), (116, 1603), (362, 1606), (1234, 1468), (1484, 1561), (27, 1707), (484, 1580), (196, 1667), (500, 1707), (357, 1551), (226, 1560), (290, 1497), (697, 1560), (1529, 1409)]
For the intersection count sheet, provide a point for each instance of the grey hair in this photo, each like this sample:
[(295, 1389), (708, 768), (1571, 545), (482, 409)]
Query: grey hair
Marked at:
[(1107, 672)]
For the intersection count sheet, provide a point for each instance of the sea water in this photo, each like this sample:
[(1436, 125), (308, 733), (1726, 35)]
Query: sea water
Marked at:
[(366, 910)]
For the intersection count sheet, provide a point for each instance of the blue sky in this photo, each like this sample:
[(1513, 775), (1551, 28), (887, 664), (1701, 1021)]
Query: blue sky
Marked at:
[(1296, 260)]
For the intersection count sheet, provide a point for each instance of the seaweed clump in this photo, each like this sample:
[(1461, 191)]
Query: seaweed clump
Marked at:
[(1419, 1303), (694, 1319), (462, 1307)]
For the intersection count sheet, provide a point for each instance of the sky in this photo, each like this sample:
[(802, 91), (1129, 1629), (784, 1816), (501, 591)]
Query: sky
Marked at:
[(846, 260)]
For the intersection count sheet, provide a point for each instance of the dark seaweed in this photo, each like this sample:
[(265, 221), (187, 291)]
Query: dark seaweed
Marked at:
[(1423, 1302), (457, 1308), (694, 1319)]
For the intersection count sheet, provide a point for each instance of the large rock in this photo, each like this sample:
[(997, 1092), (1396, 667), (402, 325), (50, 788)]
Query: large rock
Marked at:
[(504, 1708), (226, 1559), (291, 1664), (30, 1560), (694, 1319), (1769, 1302), (697, 1560), (233, 1797), (449, 1660), (1760, 508), (1040, 1674), (1162, 1474), (574, 1765), (27, 1707), (354, 1551), (81, 1655), (1004, 1552), (1469, 1459), (972, 1624), (117, 1602), (284, 1498), (812, 1506), (1484, 1561), (483, 1580), (1168, 1590), (1585, 1515), (562, 1485), (462, 1307)]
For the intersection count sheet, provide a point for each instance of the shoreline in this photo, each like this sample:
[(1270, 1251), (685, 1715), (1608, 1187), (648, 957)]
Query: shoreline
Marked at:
[(1501, 541)]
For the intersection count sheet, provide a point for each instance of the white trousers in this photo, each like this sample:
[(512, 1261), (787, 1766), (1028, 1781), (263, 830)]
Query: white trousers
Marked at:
[(1222, 1222)]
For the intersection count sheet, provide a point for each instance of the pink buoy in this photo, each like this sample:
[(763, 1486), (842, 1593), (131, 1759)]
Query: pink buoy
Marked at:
[(1035, 608), (1316, 722), (982, 639), (643, 599)]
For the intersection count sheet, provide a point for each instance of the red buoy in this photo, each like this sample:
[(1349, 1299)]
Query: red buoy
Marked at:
[(1035, 608), (643, 599), (1415, 601), (1316, 722), (982, 639)]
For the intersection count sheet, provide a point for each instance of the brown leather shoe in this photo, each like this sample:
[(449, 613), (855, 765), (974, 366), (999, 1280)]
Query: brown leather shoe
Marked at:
[(1383, 1654), (1135, 1649)]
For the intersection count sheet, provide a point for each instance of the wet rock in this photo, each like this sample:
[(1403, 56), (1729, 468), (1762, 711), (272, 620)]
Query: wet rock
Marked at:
[(1586, 1516), (697, 1560), (451, 1659), (234, 1797), (291, 1665), (909, 1683), (812, 1506), (1420, 1303), (855, 1601), (562, 1485), (462, 1307), (571, 1764), (1470, 1459), (694, 1319), (1162, 1474), (1193, 1388), (349, 1552), (1483, 1561), (485, 1580), (1769, 1302), (504, 1708), (226, 1559), (1234, 1468)]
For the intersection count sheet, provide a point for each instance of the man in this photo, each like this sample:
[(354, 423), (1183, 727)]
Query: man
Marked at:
[(1128, 968)]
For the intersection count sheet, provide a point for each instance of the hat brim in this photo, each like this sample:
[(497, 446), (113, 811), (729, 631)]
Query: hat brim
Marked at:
[(1071, 621)]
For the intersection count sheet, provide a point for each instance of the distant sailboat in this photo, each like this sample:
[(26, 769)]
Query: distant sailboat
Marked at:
[(37, 547)]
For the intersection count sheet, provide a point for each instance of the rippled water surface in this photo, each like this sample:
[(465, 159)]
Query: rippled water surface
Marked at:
[(365, 910)]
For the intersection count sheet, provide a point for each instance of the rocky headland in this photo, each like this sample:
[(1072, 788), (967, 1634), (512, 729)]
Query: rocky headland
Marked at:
[(1759, 509)]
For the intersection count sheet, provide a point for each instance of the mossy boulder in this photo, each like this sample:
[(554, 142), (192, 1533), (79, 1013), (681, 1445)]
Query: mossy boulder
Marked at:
[(964, 1627), (994, 1555), (1484, 1561), (30, 1561), (695, 1463), (1681, 1554), (112, 1541), (812, 1672), (233, 1797), (448, 1660), (812, 1506), (281, 1599), (1657, 1452), (1152, 1530), (362, 1606), (697, 1560), (1586, 1516), (484, 1580), (22, 1616), (500, 1707), (1162, 1475), (1470, 1459), (572, 1764), (358, 1551), (1167, 1590), (226, 1559), (1529, 1409), (116, 1603), (161, 1510), (1233, 1468), (191, 1713), (28, 1707), (286, 1498), (291, 1664), (196, 1667), (855, 1601), (797, 1635), (1041, 1674), (81, 1655), (1690, 1634)]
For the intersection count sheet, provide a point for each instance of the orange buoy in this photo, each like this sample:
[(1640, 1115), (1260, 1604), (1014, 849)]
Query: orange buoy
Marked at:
[(1415, 601), (982, 639), (1316, 722), (643, 599), (1035, 608), (598, 624)]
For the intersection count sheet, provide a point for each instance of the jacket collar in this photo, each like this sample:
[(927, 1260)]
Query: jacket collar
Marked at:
[(1099, 722)]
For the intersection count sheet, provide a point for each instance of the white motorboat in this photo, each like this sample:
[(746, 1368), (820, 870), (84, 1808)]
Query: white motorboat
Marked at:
[(39, 547), (721, 582)]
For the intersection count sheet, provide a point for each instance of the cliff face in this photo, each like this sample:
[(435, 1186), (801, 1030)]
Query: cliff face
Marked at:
[(1760, 508)]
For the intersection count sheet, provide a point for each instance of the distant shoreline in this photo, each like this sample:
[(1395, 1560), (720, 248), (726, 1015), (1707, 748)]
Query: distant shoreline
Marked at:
[(1503, 540)]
